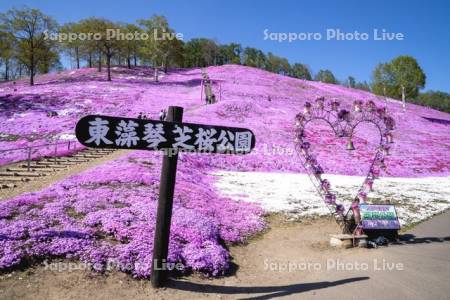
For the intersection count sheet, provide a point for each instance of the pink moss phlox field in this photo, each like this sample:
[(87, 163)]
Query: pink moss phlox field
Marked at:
[(262, 101), (421, 146), (106, 217), (25, 110)]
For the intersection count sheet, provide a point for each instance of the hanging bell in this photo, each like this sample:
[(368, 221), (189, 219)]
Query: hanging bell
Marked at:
[(362, 197), (389, 138), (334, 106), (307, 108), (369, 184), (320, 103), (357, 106), (350, 145)]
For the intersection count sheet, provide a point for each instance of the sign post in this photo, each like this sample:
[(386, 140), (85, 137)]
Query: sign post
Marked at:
[(156, 74), (165, 203), (172, 136)]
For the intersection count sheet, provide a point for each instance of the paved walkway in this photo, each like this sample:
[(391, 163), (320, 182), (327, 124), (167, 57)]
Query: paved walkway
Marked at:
[(419, 268)]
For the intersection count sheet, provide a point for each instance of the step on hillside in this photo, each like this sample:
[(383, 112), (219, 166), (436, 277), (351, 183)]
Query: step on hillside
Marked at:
[(74, 159), (46, 170), (50, 165), (6, 174), (40, 169), (61, 162), (4, 185), (14, 179), (23, 174), (23, 169), (100, 150), (89, 155), (30, 174), (36, 167)]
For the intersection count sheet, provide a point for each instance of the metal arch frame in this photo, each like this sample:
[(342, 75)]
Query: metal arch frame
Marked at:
[(362, 116)]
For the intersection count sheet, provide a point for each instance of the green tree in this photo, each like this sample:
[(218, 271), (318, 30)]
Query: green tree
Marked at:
[(402, 78), (193, 53), (351, 82), (325, 76), (301, 71), (73, 47), (434, 99), (93, 47), (90, 47), (106, 44), (261, 60), (30, 28), (129, 47), (210, 52), (7, 45), (383, 80), (362, 86), (201, 52), (162, 48), (273, 63), (50, 61), (277, 64), (230, 54), (250, 57), (408, 75), (253, 57)]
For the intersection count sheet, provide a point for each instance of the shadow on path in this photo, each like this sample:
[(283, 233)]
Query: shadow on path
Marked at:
[(269, 291), (412, 239)]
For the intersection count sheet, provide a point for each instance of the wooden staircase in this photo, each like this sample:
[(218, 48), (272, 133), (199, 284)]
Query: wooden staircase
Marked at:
[(20, 173)]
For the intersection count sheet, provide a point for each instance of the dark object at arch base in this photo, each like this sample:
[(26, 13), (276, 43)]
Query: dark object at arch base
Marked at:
[(390, 234)]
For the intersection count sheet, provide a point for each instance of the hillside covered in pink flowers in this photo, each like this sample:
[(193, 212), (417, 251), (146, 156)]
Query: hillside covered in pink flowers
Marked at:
[(259, 100), (107, 213)]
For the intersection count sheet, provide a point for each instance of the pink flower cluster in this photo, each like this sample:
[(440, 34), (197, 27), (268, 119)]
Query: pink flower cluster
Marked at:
[(107, 214)]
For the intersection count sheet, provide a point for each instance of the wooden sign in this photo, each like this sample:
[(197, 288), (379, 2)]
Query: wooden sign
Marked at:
[(98, 131)]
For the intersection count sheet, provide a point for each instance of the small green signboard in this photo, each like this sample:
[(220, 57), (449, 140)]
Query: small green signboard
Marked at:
[(379, 217)]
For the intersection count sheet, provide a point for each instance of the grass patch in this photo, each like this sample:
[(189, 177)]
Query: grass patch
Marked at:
[(9, 137), (71, 212)]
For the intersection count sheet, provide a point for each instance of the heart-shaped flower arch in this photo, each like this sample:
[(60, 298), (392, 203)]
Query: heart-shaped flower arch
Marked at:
[(343, 123)]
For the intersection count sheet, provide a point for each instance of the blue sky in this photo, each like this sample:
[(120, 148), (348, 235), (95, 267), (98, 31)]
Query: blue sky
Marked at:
[(425, 25)]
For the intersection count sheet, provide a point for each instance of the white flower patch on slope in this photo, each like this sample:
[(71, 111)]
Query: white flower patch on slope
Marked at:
[(416, 199)]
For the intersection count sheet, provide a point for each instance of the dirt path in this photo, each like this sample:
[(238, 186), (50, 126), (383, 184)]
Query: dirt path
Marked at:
[(45, 181), (418, 269)]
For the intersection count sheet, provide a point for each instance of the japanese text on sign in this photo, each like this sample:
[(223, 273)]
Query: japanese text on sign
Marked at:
[(112, 132)]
